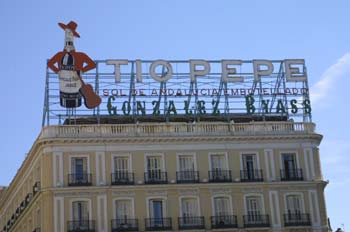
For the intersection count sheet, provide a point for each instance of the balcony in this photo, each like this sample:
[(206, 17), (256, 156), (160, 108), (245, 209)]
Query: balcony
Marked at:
[(223, 222), (80, 179), (191, 223), (256, 220), (123, 178), (292, 174), (157, 224), (37, 229), (119, 225), (255, 175), (187, 177), (297, 219), (218, 176), (176, 129), (156, 177), (81, 226)]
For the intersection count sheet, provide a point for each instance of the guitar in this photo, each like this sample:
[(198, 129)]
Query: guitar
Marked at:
[(91, 99)]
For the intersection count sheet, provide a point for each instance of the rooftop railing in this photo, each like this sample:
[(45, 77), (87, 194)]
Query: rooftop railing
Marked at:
[(177, 129)]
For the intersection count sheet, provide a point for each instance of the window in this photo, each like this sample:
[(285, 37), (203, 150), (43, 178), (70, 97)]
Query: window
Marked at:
[(222, 206), (186, 163), (219, 168), (289, 165), (80, 216), (218, 162), (187, 169), (253, 205), (251, 171), (157, 211), (123, 209), (154, 170), (79, 166), (79, 171), (121, 164), (294, 204), (80, 211), (189, 207), (122, 170)]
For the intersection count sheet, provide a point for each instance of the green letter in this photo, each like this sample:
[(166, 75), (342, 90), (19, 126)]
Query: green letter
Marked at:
[(141, 106), (280, 106), (249, 102), (156, 110), (201, 107), (216, 110), (186, 108), (265, 105), (171, 108), (307, 106), (126, 108), (112, 110), (293, 103)]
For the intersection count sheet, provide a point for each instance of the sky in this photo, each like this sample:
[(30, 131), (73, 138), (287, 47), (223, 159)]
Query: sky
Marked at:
[(317, 31)]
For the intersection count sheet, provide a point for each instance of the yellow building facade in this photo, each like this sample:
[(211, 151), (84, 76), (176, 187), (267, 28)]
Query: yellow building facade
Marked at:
[(169, 176)]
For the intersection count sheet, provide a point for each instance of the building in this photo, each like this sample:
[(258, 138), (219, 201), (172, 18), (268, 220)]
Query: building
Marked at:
[(173, 175)]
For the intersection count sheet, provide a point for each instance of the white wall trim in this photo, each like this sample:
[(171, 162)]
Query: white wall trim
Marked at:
[(314, 214), (268, 165), (58, 201), (99, 213), (57, 180), (307, 165), (274, 195), (100, 179), (312, 165)]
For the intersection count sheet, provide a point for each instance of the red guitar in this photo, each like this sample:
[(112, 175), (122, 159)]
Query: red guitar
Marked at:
[(91, 99)]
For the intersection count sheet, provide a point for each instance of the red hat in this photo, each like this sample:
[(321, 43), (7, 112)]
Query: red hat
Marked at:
[(71, 26)]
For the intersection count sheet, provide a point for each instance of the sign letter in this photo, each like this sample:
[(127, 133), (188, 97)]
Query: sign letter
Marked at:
[(194, 72), (117, 64), (262, 72)]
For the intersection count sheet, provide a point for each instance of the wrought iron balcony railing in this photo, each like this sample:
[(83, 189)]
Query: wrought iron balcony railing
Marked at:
[(123, 178), (254, 175), (119, 225), (81, 226), (156, 224), (191, 223), (80, 179), (292, 174), (256, 220), (220, 175), (297, 219), (156, 177), (36, 188), (187, 177), (223, 221)]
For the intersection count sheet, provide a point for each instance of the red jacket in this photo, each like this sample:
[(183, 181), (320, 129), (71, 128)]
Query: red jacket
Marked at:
[(80, 59)]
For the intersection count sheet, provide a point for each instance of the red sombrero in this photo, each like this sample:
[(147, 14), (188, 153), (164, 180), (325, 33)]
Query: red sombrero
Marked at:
[(71, 26)]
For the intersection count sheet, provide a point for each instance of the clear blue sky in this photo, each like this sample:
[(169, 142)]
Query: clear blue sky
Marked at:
[(317, 31)]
